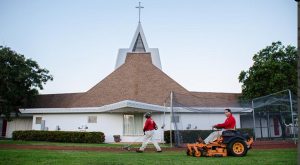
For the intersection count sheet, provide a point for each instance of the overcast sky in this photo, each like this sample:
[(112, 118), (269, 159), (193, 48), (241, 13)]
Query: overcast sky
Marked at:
[(203, 44)]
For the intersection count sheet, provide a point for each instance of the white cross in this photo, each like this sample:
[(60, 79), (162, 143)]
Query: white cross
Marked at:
[(139, 7)]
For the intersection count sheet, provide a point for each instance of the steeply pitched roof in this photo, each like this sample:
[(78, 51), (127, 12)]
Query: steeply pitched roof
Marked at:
[(137, 79)]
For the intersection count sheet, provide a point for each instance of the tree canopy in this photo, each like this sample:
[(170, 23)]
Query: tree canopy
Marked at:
[(274, 69), (20, 79)]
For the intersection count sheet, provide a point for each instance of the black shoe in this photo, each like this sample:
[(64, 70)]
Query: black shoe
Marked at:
[(139, 151), (159, 151)]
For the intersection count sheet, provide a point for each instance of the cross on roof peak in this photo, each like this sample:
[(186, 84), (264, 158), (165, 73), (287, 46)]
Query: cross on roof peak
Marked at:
[(139, 7)]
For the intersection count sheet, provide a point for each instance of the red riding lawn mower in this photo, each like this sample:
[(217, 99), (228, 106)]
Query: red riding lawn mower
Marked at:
[(231, 142)]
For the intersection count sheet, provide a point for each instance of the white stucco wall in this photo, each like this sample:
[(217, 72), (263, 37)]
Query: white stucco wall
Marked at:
[(18, 124), (112, 123), (201, 121)]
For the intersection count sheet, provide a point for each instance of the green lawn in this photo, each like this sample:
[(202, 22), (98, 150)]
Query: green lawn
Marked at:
[(16, 156), (70, 144), (255, 157)]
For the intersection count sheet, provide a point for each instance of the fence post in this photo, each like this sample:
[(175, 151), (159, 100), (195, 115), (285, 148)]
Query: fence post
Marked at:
[(293, 124), (253, 120), (171, 115)]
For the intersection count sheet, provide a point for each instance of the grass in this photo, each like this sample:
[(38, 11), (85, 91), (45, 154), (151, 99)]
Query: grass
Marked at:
[(70, 144), (31, 157)]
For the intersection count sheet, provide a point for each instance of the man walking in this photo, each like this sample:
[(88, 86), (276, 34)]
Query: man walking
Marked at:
[(149, 128)]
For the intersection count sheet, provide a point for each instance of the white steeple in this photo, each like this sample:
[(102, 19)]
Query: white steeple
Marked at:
[(138, 45)]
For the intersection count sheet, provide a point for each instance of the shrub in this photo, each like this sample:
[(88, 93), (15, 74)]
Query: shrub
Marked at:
[(190, 136), (59, 136)]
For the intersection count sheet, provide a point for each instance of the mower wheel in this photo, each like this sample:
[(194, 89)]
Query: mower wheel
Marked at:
[(237, 148), (197, 154)]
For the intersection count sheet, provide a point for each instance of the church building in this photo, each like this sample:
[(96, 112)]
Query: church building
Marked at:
[(116, 105)]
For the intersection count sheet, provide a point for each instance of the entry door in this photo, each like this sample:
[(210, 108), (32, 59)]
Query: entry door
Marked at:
[(276, 126)]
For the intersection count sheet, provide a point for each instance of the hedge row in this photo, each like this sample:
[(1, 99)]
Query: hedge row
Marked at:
[(190, 136), (59, 136)]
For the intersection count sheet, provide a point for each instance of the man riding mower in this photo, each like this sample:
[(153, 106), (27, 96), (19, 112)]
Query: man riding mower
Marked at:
[(231, 142), (223, 142)]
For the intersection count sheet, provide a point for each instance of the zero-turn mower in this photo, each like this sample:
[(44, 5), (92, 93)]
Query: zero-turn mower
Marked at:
[(231, 142)]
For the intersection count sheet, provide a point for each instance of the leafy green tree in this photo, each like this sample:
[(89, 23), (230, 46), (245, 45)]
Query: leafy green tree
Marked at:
[(20, 79), (274, 69)]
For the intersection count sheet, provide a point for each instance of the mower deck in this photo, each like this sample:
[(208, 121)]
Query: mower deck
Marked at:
[(235, 145)]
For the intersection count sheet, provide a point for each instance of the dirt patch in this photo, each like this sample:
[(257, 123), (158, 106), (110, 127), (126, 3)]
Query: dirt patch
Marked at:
[(256, 145), (273, 144)]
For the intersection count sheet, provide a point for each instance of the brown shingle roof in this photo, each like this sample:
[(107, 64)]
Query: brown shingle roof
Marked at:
[(137, 79), (55, 100), (207, 99)]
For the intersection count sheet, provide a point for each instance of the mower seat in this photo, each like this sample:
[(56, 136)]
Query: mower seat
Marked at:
[(235, 133), (229, 135)]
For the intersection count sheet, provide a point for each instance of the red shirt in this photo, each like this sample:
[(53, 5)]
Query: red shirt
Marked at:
[(228, 124), (149, 125)]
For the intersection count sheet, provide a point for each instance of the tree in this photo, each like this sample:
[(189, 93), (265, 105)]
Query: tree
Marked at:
[(20, 79), (274, 69)]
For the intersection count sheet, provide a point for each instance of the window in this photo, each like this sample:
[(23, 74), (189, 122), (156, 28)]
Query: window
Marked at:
[(133, 124), (38, 120), (175, 119), (92, 119)]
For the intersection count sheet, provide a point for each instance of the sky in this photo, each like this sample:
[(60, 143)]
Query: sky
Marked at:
[(203, 44)]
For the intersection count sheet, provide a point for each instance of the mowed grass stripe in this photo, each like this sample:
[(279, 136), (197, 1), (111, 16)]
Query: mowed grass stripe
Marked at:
[(24, 157)]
